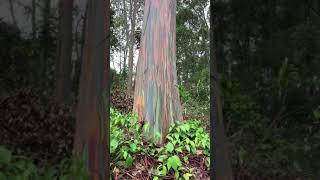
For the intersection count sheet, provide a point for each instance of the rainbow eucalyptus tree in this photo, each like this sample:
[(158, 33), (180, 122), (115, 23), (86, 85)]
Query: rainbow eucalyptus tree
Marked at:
[(92, 131), (156, 96)]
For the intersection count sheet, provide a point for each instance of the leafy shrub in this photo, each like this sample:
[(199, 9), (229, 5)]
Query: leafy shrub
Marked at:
[(187, 147), (20, 168)]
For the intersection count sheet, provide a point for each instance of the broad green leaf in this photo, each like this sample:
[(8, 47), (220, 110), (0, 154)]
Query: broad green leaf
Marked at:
[(170, 147), (129, 161), (133, 147), (176, 136), (174, 162), (114, 144), (179, 149), (162, 157), (169, 164), (187, 147), (177, 160)]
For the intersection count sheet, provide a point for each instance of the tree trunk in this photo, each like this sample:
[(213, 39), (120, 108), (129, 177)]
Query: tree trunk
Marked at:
[(78, 64), (125, 12), (45, 41), (63, 66), (12, 13), (219, 162), (133, 13), (33, 19), (156, 98), (92, 120)]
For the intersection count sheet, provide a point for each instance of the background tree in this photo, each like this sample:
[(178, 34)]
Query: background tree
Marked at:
[(33, 18), (12, 12), (220, 162), (93, 109), (156, 98), (126, 29), (64, 53), (45, 38), (133, 14)]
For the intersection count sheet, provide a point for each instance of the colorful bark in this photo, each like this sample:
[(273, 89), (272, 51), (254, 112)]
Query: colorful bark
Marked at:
[(156, 98), (92, 114)]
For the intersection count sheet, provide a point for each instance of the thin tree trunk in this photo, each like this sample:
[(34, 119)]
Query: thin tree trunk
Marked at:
[(133, 13), (33, 19), (92, 120), (120, 62), (156, 98), (45, 42), (125, 12), (12, 12)]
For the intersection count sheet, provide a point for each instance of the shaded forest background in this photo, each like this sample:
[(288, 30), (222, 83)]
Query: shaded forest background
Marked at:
[(269, 58)]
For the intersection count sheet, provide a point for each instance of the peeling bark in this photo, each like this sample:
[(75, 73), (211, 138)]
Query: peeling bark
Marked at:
[(156, 98), (92, 119)]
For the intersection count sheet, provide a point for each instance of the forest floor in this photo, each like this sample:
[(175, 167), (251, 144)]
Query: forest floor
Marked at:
[(184, 155), (40, 129)]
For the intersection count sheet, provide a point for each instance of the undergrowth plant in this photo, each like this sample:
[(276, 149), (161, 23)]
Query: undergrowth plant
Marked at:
[(14, 167), (185, 140)]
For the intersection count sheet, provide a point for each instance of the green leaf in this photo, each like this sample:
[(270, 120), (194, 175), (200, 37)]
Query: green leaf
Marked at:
[(174, 162), (177, 160), (164, 170), (176, 174), (192, 144), (170, 138), (187, 126), (125, 154), (176, 136), (133, 147), (193, 150), (186, 159), (187, 147), (114, 144), (5, 155), (129, 161), (179, 149), (156, 178), (169, 164), (170, 147), (186, 176), (183, 128), (162, 157)]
